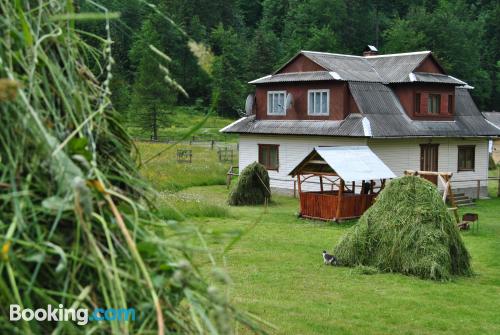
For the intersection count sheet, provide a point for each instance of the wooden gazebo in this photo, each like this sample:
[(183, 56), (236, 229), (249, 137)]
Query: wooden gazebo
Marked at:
[(336, 183)]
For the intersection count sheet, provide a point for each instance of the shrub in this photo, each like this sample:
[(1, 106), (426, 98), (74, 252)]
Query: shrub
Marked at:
[(408, 230), (252, 188)]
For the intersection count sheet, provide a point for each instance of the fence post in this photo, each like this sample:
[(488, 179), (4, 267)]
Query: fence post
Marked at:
[(498, 188), (229, 176), (478, 188)]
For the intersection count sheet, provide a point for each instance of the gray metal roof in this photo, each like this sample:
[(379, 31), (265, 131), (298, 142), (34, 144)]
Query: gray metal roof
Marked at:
[(434, 78), (381, 116), (395, 68), (493, 118), (350, 68), (351, 163), (295, 76), (351, 126)]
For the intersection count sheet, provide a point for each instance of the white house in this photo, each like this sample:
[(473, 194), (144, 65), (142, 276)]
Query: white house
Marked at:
[(403, 106)]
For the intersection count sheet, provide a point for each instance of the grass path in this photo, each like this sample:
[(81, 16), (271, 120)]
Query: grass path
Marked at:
[(278, 274)]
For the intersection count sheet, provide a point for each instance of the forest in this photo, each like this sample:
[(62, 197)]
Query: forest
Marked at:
[(212, 48)]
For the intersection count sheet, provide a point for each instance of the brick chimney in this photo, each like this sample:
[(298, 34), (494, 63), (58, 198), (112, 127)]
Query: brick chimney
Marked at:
[(370, 50)]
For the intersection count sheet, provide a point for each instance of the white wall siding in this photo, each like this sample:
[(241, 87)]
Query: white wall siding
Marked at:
[(403, 154), (398, 154), (292, 150)]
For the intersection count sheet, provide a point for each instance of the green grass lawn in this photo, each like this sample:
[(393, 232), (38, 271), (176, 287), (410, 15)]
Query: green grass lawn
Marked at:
[(166, 174), (277, 273)]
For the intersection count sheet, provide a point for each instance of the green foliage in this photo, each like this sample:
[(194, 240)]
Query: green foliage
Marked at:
[(408, 230), (252, 188), (252, 38), (228, 71), (403, 37)]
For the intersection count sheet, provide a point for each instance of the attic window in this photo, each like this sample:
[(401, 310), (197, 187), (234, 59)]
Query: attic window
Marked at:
[(276, 103), (318, 102)]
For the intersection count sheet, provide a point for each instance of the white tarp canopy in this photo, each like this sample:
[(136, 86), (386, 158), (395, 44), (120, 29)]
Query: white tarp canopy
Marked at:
[(352, 163)]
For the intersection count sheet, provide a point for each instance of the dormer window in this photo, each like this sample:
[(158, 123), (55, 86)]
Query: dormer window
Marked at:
[(434, 104), (318, 102), (276, 103)]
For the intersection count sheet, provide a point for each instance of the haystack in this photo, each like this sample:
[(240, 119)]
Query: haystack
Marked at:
[(252, 188), (408, 230)]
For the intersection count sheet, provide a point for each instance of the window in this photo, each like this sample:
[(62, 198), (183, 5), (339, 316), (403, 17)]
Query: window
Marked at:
[(417, 103), (466, 157), (269, 156), (318, 102), (276, 103), (450, 104), (434, 104)]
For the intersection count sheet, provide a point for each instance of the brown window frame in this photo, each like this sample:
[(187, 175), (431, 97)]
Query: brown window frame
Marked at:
[(460, 167), (270, 168), (418, 99), (429, 105), (451, 108)]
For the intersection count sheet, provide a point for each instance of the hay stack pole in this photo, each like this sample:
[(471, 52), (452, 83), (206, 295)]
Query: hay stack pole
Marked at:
[(445, 179)]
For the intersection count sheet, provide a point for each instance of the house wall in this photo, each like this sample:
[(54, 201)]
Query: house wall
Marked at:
[(403, 154), (339, 100), (292, 151), (406, 94), (429, 65), (398, 154), (301, 64)]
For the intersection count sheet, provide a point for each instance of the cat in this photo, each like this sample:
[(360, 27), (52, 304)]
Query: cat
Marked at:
[(329, 259)]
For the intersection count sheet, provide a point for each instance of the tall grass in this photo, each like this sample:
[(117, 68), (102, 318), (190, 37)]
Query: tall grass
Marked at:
[(168, 175), (76, 225)]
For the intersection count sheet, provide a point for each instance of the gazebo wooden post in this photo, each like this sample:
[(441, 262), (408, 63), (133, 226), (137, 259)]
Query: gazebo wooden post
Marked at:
[(362, 187), (321, 183), (339, 202), (354, 187)]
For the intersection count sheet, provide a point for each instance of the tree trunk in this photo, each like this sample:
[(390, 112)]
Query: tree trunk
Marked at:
[(155, 124)]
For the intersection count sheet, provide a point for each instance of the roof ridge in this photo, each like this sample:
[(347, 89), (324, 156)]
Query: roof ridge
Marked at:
[(398, 54), (330, 53)]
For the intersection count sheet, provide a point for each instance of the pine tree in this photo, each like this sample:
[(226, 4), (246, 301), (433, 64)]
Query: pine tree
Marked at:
[(152, 96)]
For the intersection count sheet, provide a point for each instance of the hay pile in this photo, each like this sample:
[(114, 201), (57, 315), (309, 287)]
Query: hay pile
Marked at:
[(408, 230), (76, 225), (252, 188)]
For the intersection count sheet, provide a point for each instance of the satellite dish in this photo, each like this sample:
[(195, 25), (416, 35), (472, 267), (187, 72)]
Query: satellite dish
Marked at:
[(289, 101), (249, 103)]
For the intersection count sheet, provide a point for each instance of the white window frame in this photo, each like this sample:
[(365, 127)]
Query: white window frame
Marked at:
[(270, 94), (311, 113)]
